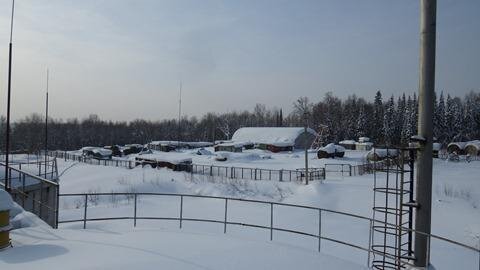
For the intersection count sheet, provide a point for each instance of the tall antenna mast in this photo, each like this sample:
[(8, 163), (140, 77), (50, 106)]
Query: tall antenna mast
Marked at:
[(46, 127), (7, 135), (179, 112)]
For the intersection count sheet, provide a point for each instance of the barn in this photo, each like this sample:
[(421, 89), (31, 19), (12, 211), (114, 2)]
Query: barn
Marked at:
[(275, 139)]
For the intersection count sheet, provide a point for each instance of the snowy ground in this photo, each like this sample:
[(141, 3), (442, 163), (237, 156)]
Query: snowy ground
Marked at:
[(455, 213)]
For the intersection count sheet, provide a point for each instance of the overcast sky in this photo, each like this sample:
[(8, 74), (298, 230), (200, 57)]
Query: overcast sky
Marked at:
[(124, 59)]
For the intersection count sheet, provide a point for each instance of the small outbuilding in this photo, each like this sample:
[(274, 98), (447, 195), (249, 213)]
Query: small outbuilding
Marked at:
[(331, 151), (348, 144), (228, 147)]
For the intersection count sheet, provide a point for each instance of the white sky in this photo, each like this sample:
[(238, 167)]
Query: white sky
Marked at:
[(124, 59)]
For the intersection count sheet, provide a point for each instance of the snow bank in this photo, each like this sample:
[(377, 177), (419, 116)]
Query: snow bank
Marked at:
[(6, 202), (279, 136)]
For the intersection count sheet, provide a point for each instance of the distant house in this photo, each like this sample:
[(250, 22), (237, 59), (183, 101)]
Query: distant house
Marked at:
[(348, 144), (275, 139), (228, 147), (364, 144)]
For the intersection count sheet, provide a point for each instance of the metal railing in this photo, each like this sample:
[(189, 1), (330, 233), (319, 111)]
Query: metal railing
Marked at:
[(212, 170), (34, 193), (129, 164), (227, 220), (281, 175)]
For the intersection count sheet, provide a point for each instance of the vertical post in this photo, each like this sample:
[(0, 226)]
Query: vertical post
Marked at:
[(225, 219), (425, 129), (7, 135), (369, 242), (46, 128), (271, 221), (85, 212), (319, 230), (57, 208), (135, 210), (181, 210), (305, 115)]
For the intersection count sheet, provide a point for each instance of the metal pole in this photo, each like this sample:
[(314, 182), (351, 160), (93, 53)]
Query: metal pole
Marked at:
[(425, 129), (9, 91), (305, 115), (46, 129)]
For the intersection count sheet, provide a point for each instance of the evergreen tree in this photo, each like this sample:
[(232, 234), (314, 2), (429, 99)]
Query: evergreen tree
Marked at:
[(377, 125), (389, 121)]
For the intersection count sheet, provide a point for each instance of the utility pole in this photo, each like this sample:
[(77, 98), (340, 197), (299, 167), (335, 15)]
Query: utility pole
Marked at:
[(425, 130), (46, 128), (7, 135), (305, 115), (179, 113)]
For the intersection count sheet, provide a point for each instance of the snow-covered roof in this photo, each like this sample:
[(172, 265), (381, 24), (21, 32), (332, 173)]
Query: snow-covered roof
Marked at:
[(382, 153), (236, 145), (332, 148), (170, 157), (97, 150), (6, 202), (164, 143), (460, 145), (364, 143), (364, 139), (279, 136), (347, 142)]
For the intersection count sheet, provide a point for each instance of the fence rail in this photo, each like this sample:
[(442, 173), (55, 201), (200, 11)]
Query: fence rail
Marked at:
[(226, 220), (34, 193)]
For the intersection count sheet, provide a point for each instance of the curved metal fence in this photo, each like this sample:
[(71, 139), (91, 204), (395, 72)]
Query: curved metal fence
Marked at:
[(323, 217)]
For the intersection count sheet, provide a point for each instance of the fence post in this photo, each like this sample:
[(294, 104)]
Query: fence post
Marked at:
[(369, 242), (85, 212), (319, 230), (181, 210), (280, 178), (135, 211), (271, 221), (225, 220)]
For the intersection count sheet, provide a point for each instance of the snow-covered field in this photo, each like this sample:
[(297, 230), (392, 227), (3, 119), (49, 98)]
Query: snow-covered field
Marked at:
[(455, 215)]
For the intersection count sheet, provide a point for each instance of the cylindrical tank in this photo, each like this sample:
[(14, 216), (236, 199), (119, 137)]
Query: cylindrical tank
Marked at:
[(4, 229)]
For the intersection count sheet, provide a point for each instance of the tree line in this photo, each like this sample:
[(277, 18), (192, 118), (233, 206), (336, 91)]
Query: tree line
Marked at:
[(391, 121)]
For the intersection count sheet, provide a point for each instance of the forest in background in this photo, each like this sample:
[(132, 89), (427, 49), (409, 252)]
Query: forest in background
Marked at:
[(391, 121)]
